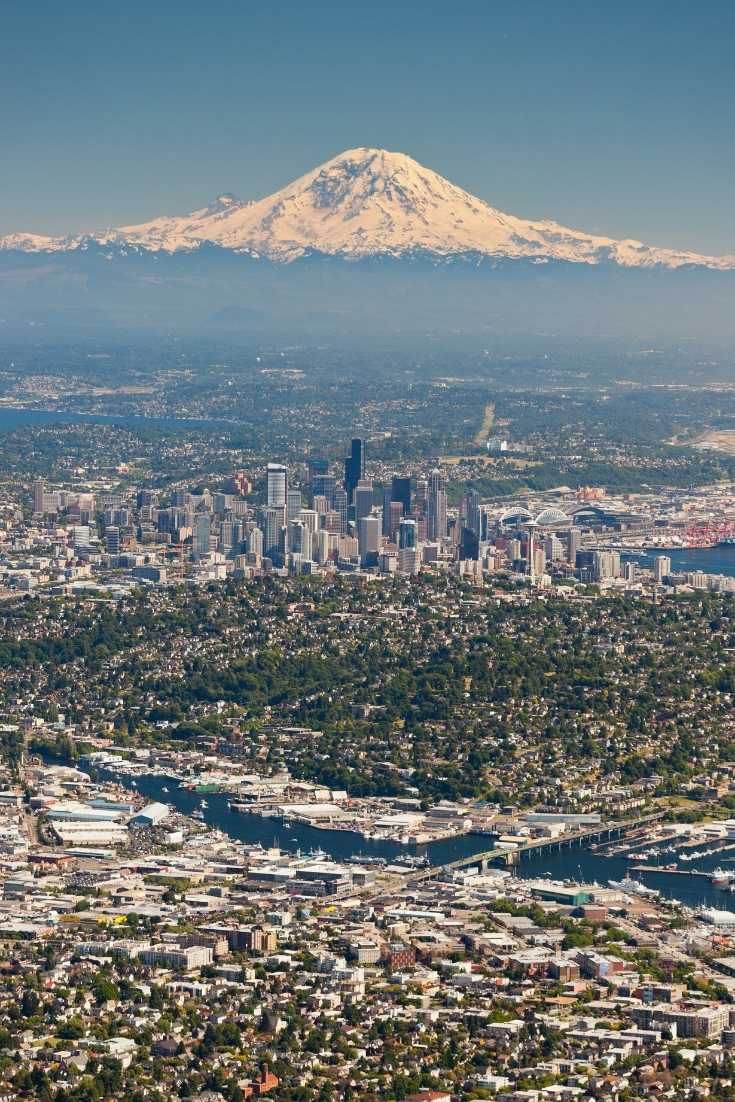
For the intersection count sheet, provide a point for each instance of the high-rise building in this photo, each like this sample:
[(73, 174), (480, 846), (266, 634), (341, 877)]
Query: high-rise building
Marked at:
[(401, 491), (255, 542), (408, 560), (387, 500), (80, 536), (407, 533), (574, 542), (421, 497), (341, 505), (514, 550), (395, 518), (38, 496), (332, 521), (363, 498), (354, 467), (275, 522), (277, 480), (112, 539), (310, 519), (202, 532), (553, 548), (437, 506), (471, 511), (605, 564), (368, 538), (324, 485), (487, 523), (539, 562), (293, 503), (299, 539), (661, 568), (469, 544)]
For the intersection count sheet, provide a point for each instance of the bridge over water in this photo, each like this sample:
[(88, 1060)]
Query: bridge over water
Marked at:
[(536, 846)]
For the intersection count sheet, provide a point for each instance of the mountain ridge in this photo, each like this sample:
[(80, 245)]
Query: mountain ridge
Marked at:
[(366, 203)]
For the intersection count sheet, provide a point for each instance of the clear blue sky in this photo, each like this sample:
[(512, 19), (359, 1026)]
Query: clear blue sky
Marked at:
[(612, 117)]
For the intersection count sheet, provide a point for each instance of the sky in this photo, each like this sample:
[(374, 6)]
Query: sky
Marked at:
[(613, 118)]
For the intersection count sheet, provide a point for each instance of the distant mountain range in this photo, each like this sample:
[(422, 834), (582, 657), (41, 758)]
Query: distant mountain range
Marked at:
[(369, 203), (370, 237)]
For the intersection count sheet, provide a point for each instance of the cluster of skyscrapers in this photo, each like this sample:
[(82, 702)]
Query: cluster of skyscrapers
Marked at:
[(350, 519), (328, 514)]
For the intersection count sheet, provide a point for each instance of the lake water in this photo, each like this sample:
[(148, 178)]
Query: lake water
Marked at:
[(577, 863)]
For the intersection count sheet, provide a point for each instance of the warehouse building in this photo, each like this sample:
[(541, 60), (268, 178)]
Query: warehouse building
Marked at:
[(151, 815)]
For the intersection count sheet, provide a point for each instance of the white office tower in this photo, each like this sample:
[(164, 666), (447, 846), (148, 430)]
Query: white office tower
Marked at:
[(325, 545), (255, 542), (293, 503), (605, 565), (661, 568), (408, 560), (554, 548), (539, 562), (80, 536), (388, 562), (310, 520), (277, 477), (514, 550), (699, 580), (368, 536), (348, 548), (299, 539), (574, 543), (630, 571), (437, 506)]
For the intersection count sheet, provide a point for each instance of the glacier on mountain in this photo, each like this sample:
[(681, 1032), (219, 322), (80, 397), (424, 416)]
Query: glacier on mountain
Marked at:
[(369, 203)]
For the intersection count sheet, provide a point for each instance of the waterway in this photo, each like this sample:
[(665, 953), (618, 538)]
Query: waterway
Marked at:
[(12, 418), (685, 560), (576, 863)]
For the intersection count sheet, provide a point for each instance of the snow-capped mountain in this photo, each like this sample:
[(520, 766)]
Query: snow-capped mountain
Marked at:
[(370, 203)]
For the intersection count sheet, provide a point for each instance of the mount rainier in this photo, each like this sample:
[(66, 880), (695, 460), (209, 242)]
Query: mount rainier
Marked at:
[(368, 241), (366, 203)]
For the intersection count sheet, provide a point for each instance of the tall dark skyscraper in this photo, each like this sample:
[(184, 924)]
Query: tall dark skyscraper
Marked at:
[(354, 467), (401, 491)]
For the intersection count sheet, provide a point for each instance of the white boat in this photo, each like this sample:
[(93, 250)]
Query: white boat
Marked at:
[(633, 887), (164, 789), (204, 804), (198, 814)]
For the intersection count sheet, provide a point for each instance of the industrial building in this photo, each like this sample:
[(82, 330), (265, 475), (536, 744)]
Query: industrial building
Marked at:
[(151, 815)]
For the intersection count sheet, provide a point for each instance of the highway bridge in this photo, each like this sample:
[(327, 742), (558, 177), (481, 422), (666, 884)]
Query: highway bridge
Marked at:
[(536, 846)]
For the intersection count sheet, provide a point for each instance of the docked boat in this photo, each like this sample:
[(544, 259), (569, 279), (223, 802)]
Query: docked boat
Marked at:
[(633, 887), (409, 861)]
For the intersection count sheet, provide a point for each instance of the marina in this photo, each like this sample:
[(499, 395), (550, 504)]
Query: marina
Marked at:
[(578, 863)]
